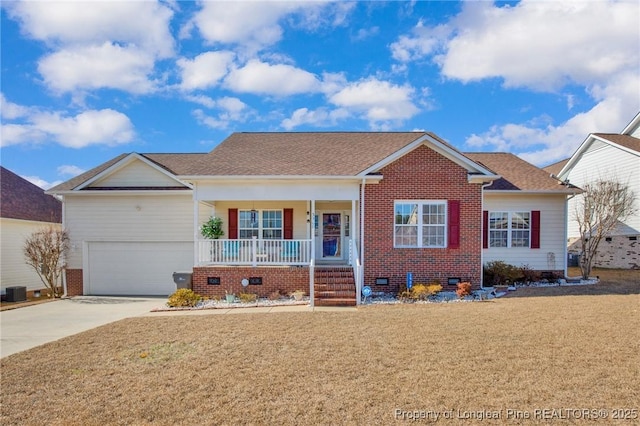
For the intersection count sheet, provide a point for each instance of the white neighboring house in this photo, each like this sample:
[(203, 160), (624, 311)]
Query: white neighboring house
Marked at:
[(611, 157), (24, 208)]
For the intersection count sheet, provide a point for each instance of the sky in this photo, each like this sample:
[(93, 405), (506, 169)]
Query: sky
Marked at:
[(85, 81)]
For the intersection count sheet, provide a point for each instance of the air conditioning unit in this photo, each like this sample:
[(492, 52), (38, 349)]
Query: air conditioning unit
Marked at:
[(16, 294)]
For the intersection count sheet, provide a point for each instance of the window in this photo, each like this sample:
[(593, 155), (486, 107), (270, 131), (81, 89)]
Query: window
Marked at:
[(265, 224), (509, 229), (420, 224)]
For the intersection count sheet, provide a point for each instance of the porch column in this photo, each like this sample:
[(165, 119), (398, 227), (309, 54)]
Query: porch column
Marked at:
[(312, 213), (196, 220)]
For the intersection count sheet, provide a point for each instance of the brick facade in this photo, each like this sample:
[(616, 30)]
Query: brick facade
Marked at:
[(422, 174), (285, 279), (74, 282)]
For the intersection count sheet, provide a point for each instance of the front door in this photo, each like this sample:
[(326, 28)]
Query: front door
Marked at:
[(331, 236)]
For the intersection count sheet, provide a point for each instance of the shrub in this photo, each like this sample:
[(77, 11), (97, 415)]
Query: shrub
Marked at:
[(184, 297), (248, 297), (464, 289), (421, 291), (275, 295), (528, 275), (498, 272)]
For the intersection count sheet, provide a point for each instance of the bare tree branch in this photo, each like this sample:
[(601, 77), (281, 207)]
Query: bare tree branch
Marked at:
[(599, 210), (44, 250)]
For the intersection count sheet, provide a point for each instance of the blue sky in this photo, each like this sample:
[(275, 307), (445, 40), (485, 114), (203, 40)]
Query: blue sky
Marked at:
[(83, 82)]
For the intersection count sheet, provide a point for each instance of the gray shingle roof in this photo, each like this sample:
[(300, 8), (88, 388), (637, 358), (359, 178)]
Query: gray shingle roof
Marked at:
[(20, 199), (517, 174)]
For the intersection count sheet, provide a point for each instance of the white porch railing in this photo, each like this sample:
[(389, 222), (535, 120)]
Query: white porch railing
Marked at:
[(254, 252), (354, 261)]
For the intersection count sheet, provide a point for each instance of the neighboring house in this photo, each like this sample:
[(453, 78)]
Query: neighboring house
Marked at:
[(322, 212), (24, 209), (610, 157)]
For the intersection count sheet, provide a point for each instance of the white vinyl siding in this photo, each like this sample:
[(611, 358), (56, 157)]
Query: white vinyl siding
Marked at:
[(603, 161), (14, 271), (300, 208), (111, 217), (137, 174), (552, 252)]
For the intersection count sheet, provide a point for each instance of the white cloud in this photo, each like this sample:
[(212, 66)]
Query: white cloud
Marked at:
[(320, 117), (422, 42), (37, 181), (247, 23), (91, 127), (231, 110), (205, 70), (256, 25), (9, 110), (541, 46), (95, 67), (144, 24), (70, 170), (377, 100), (95, 44), (279, 80)]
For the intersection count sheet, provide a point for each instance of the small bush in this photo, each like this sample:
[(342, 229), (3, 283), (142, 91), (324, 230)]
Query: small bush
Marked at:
[(184, 297), (464, 289), (528, 275), (276, 295), (248, 297), (498, 272), (420, 291)]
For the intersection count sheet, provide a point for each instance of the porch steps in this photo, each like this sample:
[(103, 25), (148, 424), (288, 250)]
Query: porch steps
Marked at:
[(334, 286)]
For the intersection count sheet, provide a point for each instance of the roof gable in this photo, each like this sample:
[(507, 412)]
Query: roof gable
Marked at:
[(132, 171), (20, 199), (594, 141)]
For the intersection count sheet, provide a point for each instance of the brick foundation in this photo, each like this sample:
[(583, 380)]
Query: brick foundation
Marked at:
[(422, 174), (285, 279), (74, 282)]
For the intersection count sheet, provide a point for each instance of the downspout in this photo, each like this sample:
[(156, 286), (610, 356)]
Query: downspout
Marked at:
[(566, 235), (484, 186), (361, 251), (64, 255), (196, 219)]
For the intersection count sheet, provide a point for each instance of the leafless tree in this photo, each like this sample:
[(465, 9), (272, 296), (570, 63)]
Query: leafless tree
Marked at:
[(44, 250), (599, 210)]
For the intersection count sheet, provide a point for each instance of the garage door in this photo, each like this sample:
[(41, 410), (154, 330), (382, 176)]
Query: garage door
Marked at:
[(136, 268)]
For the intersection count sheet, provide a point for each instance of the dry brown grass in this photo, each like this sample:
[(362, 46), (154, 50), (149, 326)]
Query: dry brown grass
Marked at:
[(521, 353)]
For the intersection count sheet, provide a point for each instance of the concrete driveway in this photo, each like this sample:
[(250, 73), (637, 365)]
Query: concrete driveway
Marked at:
[(32, 326)]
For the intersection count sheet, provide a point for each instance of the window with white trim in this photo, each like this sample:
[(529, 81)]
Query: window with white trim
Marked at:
[(265, 224), (420, 224), (509, 229)]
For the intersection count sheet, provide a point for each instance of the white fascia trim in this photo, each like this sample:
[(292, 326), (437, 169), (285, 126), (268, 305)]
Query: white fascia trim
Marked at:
[(532, 192), (482, 178), (113, 192), (202, 178), (631, 126), (437, 146), (125, 161)]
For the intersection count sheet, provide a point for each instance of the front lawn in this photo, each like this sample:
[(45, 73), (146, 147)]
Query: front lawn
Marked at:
[(516, 353)]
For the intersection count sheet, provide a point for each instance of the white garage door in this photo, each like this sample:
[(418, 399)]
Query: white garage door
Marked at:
[(136, 268)]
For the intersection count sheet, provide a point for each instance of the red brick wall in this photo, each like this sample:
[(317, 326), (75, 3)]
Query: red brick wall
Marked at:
[(285, 279), (422, 174), (74, 282)]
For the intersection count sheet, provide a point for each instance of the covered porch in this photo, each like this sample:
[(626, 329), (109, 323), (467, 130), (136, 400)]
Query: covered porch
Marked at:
[(276, 241)]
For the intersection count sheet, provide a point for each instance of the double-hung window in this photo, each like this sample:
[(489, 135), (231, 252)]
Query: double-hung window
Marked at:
[(509, 229), (264, 224), (420, 224)]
